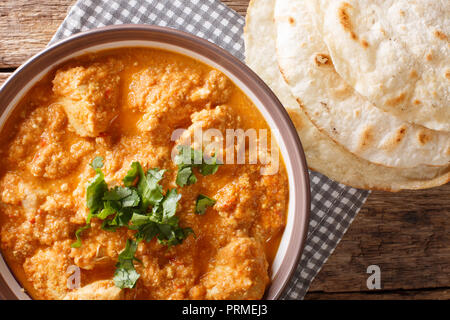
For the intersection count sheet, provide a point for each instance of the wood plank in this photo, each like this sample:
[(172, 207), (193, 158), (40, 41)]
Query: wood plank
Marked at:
[(240, 6), (407, 234), (4, 76), (26, 26)]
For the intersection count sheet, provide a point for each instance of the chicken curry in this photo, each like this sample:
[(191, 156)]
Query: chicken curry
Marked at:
[(88, 182)]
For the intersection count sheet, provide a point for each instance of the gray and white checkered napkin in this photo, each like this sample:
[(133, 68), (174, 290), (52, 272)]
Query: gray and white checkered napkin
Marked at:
[(333, 207)]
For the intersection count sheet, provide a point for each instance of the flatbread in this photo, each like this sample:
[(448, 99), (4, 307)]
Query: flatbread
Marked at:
[(396, 53), (322, 153), (336, 109)]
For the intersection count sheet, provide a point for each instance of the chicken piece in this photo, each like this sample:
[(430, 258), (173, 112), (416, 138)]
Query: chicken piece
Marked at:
[(44, 146), (217, 89), (47, 270), (16, 190), (89, 95), (168, 274), (272, 208), (15, 240), (239, 272), (161, 92), (53, 162), (221, 117), (98, 290), (29, 136), (212, 125), (43, 218), (235, 203), (50, 159)]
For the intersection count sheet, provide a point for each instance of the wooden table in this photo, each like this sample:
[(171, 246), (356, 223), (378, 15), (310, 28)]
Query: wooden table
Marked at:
[(407, 234)]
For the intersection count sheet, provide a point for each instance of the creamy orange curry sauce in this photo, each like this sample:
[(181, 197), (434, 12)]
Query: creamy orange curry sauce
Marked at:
[(124, 105)]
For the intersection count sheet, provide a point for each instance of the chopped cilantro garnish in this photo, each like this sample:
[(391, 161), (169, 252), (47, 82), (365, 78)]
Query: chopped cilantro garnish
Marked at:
[(94, 194), (117, 193), (161, 222), (132, 200), (118, 202), (169, 234), (202, 203), (121, 219), (187, 159), (149, 189), (110, 208), (142, 202), (185, 176), (209, 167), (126, 275), (128, 197)]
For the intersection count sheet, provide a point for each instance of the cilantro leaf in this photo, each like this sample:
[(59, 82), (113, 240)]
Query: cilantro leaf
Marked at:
[(128, 197), (170, 203), (185, 176), (97, 163), (77, 244), (167, 234), (140, 219), (108, 210), (162, 222), (132, 174), (187, 159), (118, 193), (202, 203), (210, 166), (155, 174), (147, 229), (185, 156), (132, 200), (148, 187), (171, 236), (121, 219), (126, 275), (94, 192)]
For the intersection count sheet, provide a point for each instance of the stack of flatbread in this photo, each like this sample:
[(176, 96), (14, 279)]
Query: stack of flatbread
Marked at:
[(366, 83)]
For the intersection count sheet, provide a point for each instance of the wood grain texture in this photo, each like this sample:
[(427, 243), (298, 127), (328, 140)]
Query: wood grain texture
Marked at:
[(406, 233), (26, 26)]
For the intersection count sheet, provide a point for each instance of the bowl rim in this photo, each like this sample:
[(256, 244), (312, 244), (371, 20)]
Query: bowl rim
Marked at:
[(115, 33)]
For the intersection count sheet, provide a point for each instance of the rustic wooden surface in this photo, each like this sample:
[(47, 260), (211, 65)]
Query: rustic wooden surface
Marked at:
[(407, 234)]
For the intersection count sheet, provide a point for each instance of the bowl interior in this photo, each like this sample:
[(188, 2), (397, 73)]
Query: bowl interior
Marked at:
[(282, 129)]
